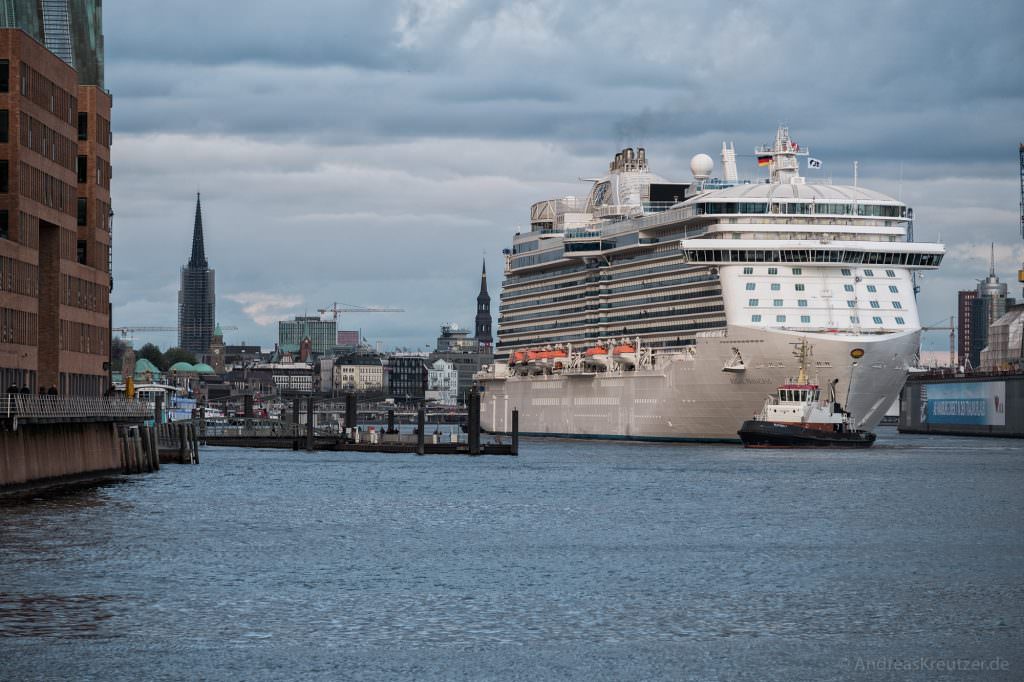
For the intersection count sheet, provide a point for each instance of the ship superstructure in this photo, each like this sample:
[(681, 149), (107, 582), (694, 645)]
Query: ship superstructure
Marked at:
[(658, 309)]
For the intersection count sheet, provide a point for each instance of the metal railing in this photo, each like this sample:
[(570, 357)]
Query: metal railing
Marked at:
[(58, 408)]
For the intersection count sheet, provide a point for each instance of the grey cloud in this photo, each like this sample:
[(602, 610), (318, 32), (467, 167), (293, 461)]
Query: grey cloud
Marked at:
[(373, 150)]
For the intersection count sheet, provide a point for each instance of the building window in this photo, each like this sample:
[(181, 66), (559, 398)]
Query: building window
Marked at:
[(851, 304), (5, 75), (83, 211), (755, 318), (874, 304), (869, 273), (4, 229), (846, 272), (4, 185), (871, 288), (83, 125), (777, 303), (4, 124), (802, 302), (81, 251), (748, 271), (900, 320), (798, 271), (780, 318), (854, 319), (751, 286), (773, 271), (847, 287), (776, 286), (83, 168), (894, 289), (799, 287), (752, 303), (806, 319), (890, 273), (897, 305), (877, 320)]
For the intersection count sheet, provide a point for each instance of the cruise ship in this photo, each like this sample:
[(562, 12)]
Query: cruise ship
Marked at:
[(660, 310)]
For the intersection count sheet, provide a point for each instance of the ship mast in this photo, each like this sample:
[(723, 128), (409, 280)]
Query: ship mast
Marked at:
[(784, 164), (802, 352)]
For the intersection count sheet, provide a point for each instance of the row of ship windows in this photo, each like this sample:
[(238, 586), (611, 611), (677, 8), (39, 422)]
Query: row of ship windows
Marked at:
[(752, 286), (928, 260), (620, 274), (642, 315), (644, 285), (626, 303), (677, 328), (846, 272), (802, 303), (806, 319), (795, 208), (657, 253)]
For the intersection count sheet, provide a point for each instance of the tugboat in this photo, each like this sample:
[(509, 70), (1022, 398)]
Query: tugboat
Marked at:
[(797, 417)]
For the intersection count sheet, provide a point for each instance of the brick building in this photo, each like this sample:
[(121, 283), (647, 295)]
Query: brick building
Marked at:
[(54, 211)]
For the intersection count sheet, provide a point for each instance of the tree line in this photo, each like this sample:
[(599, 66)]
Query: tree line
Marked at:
[(162, 359)]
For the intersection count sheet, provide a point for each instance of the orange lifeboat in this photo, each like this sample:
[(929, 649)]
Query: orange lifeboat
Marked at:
[(625, 354), (519, 357), (596, 350)]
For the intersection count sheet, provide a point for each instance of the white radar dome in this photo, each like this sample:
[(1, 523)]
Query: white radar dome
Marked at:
[(701, 166)]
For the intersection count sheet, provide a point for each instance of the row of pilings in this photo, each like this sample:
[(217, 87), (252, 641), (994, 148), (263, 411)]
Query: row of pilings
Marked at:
[(140, 452), (143, 448)]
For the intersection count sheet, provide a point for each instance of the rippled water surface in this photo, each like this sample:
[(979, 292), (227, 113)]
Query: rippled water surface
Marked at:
[(579, 560)]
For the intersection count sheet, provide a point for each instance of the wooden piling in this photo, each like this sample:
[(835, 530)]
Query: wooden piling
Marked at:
[(515, 432), (158, 409), (351, 413), (474, 421), (154, 445), (421, 427), (309, 424), (182, 444), (391, 422)]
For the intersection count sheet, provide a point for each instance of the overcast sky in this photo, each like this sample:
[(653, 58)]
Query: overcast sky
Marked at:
[(373, 152)]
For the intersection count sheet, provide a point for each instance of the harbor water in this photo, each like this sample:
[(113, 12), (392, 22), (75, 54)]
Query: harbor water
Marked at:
[(576, 560)]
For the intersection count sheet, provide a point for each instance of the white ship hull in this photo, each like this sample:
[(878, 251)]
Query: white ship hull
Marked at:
[(691, 397)]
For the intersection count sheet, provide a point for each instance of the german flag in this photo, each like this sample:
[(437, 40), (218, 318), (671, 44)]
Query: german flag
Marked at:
[(764, 160)]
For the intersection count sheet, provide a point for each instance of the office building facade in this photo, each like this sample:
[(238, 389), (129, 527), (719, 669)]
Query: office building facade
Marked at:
[(55, 177)]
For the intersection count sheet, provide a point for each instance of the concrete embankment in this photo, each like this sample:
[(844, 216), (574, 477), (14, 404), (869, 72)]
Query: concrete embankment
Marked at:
[(48, 454), (48, 441)]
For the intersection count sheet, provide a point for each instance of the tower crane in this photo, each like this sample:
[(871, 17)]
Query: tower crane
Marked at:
[(337, 308), (131, 331), (952, 338)]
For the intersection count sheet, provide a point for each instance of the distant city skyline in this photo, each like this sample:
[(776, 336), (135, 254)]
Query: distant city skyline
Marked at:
[(377, 157)]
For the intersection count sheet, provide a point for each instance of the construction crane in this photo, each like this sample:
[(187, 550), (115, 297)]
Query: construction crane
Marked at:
[(1020, 273), (126, 332), (952, 338), (337, 308)]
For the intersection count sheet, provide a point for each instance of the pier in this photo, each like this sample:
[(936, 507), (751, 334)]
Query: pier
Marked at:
[(293, 434), (48, 440)]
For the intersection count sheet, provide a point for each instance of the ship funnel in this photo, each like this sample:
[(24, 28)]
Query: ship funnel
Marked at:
[(641, 157), (628, 151), (618, 160)]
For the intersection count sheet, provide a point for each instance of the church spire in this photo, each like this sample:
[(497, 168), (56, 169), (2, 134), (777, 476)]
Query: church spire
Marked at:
[(483, 311), (198, 259)]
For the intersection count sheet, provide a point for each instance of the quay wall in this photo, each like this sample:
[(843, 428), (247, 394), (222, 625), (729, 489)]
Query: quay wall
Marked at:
[(970, 405), (42, 454)]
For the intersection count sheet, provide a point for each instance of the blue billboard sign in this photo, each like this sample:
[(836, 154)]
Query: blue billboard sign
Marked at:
[(981, 403)]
